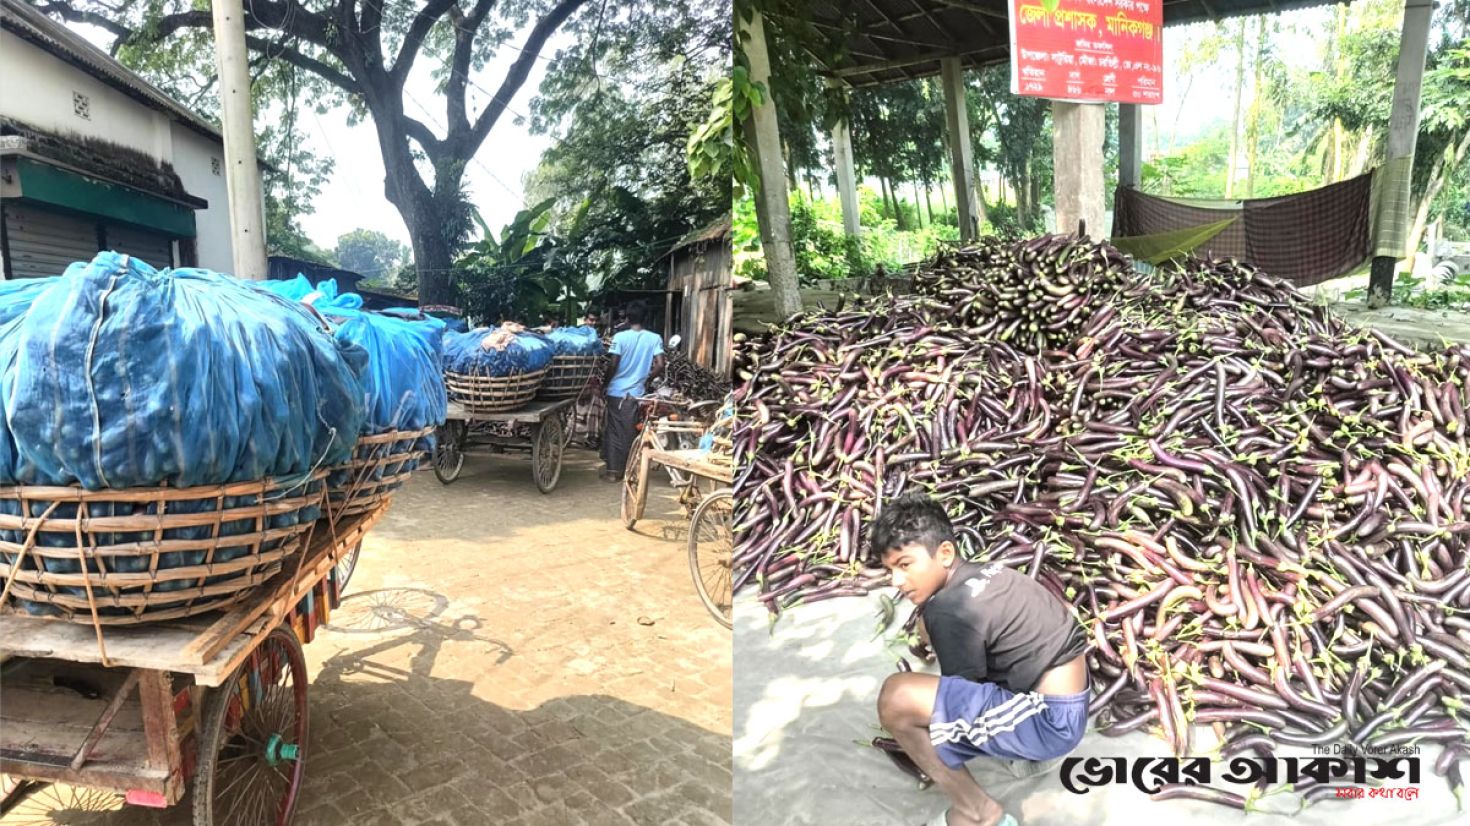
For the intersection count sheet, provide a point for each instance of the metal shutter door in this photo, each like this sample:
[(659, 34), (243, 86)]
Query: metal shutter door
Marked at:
[(46, 243), (142, 244)]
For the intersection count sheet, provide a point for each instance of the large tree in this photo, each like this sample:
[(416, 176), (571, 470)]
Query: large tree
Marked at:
[(361, 53)]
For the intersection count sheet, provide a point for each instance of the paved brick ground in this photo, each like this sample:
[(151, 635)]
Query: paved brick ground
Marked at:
[(505, 657)]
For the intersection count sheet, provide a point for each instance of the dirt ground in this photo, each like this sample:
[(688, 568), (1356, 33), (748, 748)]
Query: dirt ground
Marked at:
[(504, 657)]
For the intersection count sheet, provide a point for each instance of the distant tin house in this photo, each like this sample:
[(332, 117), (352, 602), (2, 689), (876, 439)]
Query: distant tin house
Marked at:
[(285, 268), (700, 270), (93, 157)]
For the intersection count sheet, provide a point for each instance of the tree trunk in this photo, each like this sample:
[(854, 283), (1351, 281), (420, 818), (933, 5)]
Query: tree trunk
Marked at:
[(944, 200), (1444, 169), (919, 213), (898, 221), (928, 202), (1333, 166), (980, 204), (1022, 187), (1174, 129), (883, 188), (1365, 152), (1230, 167), (1035, 199), (1253, 128), (434, 260)]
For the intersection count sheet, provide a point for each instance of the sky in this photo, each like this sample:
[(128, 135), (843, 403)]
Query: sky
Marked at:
[(353, 198), (495, 178)]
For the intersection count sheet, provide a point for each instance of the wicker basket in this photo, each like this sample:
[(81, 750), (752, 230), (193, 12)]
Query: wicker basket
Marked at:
[(566, 377), (492, 394), (130, 556), (380, 465)]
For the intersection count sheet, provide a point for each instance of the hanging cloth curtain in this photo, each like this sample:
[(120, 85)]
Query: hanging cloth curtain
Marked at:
[(1306, 238)]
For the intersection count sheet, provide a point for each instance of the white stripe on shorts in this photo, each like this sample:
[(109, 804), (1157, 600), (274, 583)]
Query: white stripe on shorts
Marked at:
[(998, 720)]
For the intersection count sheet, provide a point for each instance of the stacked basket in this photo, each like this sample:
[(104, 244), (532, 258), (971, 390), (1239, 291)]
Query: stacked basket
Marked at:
[(578, 350), (495, 371), (484, 393), (141, 482), (380, 464), (150, 554), (405, 396)]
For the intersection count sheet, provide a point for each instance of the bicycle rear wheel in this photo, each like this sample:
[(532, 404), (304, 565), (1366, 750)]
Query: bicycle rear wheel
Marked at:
[(711, 553), (633, 485)]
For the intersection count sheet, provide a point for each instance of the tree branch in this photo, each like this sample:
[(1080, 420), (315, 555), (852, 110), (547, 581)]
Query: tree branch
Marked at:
[(465, 29), (520, 70), (66, 12), (302, 61), (414, 40), (418, 131)]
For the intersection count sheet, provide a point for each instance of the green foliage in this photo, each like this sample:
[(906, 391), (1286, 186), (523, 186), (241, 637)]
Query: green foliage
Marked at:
[(824, 252), (713, 151), (1409, 291), (620, 171), (513, 277)]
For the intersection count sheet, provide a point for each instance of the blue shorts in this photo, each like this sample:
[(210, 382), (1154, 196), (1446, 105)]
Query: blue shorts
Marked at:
[(971, 719)]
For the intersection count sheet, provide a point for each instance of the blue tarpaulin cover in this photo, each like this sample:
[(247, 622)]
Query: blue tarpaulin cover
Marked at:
[(575, 341), (117, 375), (523, 353)]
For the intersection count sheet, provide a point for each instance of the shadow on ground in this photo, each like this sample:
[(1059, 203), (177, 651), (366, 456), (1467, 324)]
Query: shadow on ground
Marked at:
[(393, 745)]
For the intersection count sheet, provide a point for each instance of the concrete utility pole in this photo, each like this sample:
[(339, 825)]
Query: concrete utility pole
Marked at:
[(1395, 212), (1077, 163), (772, 207), (242, 172), (1130, 145), (961, 159)]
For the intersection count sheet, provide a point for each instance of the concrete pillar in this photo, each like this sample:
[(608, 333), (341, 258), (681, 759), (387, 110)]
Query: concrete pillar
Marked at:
[(961, 159), (846, 177), (242, 172), (1130, 145), (1077, 166), (772, 205), (1395, 214)]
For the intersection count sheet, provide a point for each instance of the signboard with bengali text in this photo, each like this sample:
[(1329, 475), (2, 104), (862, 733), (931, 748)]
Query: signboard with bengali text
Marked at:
[(1092, 51)]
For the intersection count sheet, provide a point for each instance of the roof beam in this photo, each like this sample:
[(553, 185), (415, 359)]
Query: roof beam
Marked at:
[(817, 24), (943, 32)]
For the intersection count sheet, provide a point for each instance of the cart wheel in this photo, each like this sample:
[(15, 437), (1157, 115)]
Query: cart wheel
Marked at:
[(252, 744), (711, 551), (546, 453), (449, 450), (345, 566), (632, 485)]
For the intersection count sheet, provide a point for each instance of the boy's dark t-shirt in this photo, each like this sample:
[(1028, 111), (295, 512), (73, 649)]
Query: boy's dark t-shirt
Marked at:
[(989, 623)]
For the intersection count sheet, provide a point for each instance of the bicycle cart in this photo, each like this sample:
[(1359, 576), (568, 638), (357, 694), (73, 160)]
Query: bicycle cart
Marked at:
[(711, 540), (214, 703), (540, 428)]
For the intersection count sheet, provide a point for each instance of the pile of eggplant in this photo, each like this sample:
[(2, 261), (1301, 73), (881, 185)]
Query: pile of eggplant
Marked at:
[(692, 380), (1260, 512)]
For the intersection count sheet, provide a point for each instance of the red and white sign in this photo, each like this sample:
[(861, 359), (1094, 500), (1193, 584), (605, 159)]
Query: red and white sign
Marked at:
[(1088, 50)]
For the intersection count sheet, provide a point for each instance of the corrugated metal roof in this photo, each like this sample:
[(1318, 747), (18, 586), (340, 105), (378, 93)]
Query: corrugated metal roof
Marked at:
[(886, 41), (27, 22), (714, 231)]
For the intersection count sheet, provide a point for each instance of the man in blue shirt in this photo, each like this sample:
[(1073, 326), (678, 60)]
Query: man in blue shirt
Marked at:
[(637, 356)]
